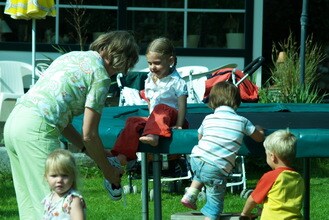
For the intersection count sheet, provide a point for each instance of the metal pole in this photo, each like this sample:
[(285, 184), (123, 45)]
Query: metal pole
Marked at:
[(157, 186), (122, 15), (34, 29), (303, 22), (307, 188), (145, 195)]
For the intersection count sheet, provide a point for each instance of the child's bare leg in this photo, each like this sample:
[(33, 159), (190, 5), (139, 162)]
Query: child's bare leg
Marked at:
[(196, 185), (150, 139), (123, 159), (108, 153), (190, 197)]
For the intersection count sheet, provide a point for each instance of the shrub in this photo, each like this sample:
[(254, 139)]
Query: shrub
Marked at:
[(284, 85)]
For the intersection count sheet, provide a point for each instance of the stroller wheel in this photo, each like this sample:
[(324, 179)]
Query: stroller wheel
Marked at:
[(151, 195), (245, 193), (134, 189), (248, 193), (126, 189), (129, 189)]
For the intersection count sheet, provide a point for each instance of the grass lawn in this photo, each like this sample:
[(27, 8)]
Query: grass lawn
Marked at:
[(101, 207)]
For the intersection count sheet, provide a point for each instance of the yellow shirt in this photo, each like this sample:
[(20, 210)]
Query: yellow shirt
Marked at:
[(281, 192)]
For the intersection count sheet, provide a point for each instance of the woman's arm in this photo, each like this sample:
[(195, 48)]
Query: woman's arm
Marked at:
[(94, 146), (182, 100), (73, 136)]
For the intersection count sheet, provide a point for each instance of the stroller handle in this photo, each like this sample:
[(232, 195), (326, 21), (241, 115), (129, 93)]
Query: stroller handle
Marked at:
[(251, 68), (119, 76), (254, 65)]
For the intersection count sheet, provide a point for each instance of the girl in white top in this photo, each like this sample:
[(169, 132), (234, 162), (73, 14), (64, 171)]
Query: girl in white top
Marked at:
[(166, 94), (64, 202)]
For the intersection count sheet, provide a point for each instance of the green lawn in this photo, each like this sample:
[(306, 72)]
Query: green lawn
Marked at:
[(101, 207)]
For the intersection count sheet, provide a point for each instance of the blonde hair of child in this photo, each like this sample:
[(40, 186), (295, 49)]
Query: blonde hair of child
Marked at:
[(224, 93), (163, 46), (282, 143), (120, 47), (62, 161)]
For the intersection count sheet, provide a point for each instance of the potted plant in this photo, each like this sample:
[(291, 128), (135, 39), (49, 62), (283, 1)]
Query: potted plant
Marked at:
[(195, 26), (234, 38)]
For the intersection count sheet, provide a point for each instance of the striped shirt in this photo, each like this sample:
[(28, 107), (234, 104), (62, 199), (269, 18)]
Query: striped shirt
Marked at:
[(222, 136)]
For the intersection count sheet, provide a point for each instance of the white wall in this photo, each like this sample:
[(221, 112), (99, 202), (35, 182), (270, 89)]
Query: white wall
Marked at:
[(258, 38), (210, 62)]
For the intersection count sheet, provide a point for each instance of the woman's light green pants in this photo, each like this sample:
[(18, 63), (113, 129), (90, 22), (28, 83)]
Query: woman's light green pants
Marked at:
[(29, 140)]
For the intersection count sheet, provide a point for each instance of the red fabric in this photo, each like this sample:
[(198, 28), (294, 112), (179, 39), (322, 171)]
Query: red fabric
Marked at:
[(159, 123), (128, 140), (142, 95), (248, 91)]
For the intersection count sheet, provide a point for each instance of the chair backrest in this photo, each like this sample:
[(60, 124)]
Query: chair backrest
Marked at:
[(195, 87), (186, 70), (144, 70), (26, 71), (12, 73), (11, 85)]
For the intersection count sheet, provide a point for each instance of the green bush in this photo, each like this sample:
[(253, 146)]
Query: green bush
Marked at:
[(284, 85)]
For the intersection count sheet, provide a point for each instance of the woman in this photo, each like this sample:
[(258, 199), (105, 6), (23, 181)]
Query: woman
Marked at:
[(75, 83)]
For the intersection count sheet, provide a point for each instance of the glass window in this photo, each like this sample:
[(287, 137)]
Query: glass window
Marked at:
[(202, 25), (153, 4), (148, 25), (88, 23), (21, 30), (188, 23), (89, 2), (217, 4)]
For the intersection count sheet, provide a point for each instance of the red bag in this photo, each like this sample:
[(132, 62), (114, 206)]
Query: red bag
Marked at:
[(248, 91)]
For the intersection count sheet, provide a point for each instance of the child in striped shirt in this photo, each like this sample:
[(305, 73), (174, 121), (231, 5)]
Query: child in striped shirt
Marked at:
[(220, 138)]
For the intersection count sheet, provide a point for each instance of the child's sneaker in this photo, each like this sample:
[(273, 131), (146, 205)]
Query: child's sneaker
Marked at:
[(189, 201), (114, 191)]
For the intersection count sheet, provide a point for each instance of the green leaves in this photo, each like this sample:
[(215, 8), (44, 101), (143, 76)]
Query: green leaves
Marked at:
[(284, 85)]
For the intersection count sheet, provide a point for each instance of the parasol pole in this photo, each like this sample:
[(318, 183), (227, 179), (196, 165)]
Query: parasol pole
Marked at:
[(33, 50), (303, 22), (306, 162)]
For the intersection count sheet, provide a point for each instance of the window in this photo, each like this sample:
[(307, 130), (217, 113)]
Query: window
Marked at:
[(189, 23)]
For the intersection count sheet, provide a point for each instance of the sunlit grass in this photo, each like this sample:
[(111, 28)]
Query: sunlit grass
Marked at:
[(101, 207)]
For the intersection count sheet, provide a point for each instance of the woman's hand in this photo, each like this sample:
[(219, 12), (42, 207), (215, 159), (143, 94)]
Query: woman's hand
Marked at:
[(114, 176)]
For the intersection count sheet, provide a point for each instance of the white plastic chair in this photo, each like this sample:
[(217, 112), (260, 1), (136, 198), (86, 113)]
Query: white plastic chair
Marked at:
[(195, 87), (194, 70), (11, 85), (145, 70), (15, 78), (41, 66)]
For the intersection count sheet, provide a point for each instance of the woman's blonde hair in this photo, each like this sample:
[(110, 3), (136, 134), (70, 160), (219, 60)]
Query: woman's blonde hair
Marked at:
[(61, 161), (163, 46), (224, 93), (282, 143), (119, 47)]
